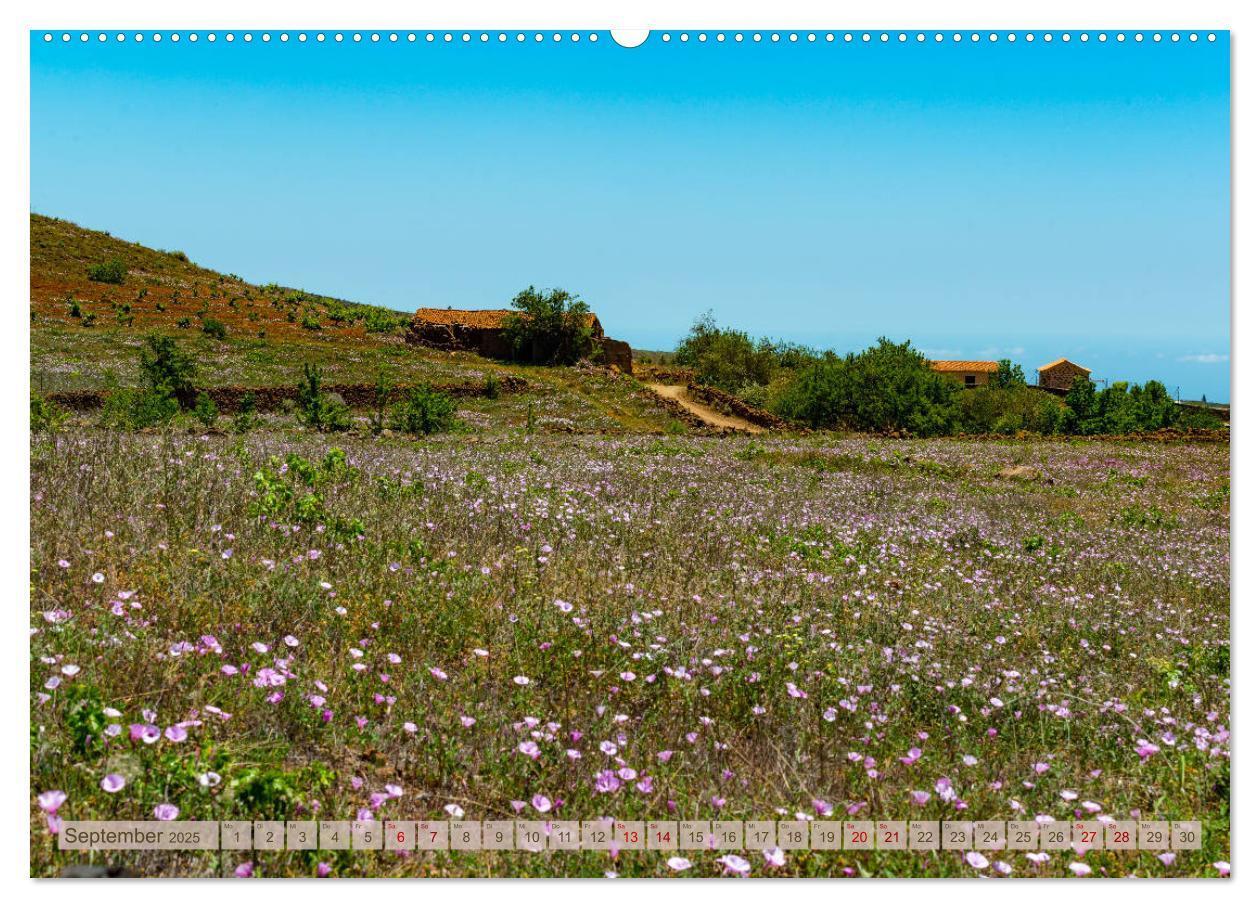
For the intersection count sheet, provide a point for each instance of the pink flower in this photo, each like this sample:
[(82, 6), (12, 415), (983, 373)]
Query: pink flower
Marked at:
[(1080, 869), (244, 870), (678, 864), (912, 756), (50, 801), (113, 783), (919, 797), (775, 858), (323, 869), (541, 803), (977, 860), (733, 863), (606, 782), (166, 812)]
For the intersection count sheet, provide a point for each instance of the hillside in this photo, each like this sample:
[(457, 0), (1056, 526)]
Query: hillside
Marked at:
[(85, 335)]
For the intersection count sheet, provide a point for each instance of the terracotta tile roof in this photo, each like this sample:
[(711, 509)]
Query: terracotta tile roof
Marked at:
[(470, 318), (475, 318), (1060, 361), (963, 365)]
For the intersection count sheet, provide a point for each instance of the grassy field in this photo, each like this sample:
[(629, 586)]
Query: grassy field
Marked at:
[(288, 625)]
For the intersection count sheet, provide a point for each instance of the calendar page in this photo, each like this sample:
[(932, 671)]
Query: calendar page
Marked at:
[(565, 452)]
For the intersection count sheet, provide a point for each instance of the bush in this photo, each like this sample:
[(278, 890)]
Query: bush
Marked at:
[(166, 370), (1189, 418), (214, 328), (378, 321), (205, 410), (381, 394), (318, 409), (1120, 408), (246, 414), (1009, 375), (725, 358), (551, 326), (134, 409), (424, 411), (1007, 410), (888, 387), (110, 272), (45, 415), (754, 395)]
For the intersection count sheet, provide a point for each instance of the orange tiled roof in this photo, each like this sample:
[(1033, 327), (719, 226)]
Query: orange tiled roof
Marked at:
[(1060, 361), (474, 318), (963, 365), (471, 318)]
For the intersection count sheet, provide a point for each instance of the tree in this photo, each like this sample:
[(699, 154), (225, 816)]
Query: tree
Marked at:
[(1081, 405), (726, 358), (1009, 375), (886, 387), (551, 326)]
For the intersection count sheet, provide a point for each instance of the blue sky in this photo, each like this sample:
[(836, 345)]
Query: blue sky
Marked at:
[(1029, 200)]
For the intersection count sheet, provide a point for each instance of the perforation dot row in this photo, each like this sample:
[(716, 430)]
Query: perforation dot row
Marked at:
[(664, 37)]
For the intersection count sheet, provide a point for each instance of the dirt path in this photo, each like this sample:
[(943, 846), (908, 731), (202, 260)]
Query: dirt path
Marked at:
[(708, 414)]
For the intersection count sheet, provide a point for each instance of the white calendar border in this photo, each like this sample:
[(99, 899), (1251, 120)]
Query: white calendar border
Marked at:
[(712, 14)]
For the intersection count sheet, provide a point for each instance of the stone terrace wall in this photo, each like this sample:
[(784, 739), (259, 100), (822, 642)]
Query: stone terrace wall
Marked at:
[(728, 403), (359, 396)]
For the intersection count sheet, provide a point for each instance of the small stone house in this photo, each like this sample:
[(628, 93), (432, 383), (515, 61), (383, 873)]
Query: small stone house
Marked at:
[(1059, 375), (971, 372), (483, 331)]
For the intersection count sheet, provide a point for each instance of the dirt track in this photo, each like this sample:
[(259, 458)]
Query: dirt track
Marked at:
[(711, 416)]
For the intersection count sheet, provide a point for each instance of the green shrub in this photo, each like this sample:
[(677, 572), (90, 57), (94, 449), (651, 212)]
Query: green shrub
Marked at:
[(1198, 418), (424, 411), (378, 321), (888, 387), (214, 328), (318, 409), (205, 410), (492, 386), (85, 717), (246, 417), (381, 393), (1008, 409), (167, 370), (310, 322), (724, 357), (110, 272), (138, 409), (45, 415), (754, 395)]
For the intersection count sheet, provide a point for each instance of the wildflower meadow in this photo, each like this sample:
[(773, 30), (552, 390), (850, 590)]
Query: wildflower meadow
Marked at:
[(289, 625)]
